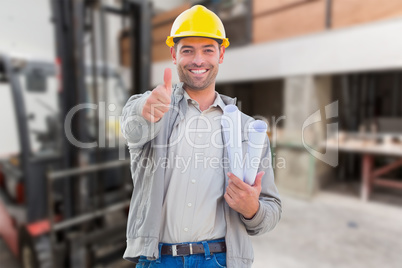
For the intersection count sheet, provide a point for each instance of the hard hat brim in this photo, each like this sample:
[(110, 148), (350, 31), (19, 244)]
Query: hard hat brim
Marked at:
[(170, 41)]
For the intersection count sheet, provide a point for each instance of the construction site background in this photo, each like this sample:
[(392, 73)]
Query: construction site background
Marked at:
[(327, 77)]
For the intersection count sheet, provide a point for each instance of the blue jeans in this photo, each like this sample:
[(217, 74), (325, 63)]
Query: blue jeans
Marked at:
[(204, 260)]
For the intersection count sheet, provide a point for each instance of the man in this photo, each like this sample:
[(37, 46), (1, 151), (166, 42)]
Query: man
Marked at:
[(187, 209)]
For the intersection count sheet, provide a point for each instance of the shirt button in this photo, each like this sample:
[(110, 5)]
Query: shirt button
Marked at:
[(186, 229), (189, 204), (193, 181), (199, 135)]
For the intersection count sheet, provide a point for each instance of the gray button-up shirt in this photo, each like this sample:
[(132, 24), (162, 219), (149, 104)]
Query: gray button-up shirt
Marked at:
[(193, 208)]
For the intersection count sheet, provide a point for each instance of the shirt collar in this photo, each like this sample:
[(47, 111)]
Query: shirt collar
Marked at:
[(218, 102), (179, 93)]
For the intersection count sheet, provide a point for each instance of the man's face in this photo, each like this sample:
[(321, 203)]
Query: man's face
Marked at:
[(197, 61)]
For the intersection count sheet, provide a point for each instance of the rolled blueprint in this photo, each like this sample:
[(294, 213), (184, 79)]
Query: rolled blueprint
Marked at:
[(257, 133), (231, 123)]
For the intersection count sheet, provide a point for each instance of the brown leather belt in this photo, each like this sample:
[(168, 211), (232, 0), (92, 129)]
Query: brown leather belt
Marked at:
[(189, 249)]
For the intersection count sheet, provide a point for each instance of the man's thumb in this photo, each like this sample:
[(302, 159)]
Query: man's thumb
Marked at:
[(258, 179), (167, 78)]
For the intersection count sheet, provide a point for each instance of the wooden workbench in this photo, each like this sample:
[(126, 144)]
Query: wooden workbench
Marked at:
[(369, 149)]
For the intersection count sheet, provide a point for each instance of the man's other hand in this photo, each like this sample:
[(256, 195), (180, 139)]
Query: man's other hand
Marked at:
[(242, 197), (158, 102)]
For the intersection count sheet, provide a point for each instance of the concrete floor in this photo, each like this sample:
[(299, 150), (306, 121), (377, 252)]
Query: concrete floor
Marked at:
[(330, 230)]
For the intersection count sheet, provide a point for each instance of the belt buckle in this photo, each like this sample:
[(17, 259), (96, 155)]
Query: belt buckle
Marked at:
[(174, 251)]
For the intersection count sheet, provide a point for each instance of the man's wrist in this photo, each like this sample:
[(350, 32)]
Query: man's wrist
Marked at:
[(249, 218), (251, 215)]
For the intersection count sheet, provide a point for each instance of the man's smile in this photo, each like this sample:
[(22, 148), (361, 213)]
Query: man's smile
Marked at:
[(198, 71)]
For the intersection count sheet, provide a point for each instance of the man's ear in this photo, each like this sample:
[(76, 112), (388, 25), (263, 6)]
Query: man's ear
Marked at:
[(221, 54), (173, 53)]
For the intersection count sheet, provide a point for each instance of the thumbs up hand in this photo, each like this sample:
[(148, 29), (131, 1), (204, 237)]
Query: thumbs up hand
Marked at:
[(158, 102)]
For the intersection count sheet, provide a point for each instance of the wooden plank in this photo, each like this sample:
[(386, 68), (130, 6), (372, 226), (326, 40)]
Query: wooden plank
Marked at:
[(388, 168), (389, 183), (170, 15), (295, 21), (367, 167), (160, 52), (161, 25), (352, 12), (264, 6), (125, 50), (161, 32)]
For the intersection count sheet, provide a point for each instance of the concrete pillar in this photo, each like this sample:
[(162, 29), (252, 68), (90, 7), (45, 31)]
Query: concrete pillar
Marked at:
[(297, 170)]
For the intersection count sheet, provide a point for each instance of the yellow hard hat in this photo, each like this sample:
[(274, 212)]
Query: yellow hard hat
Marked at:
[(198, 21)]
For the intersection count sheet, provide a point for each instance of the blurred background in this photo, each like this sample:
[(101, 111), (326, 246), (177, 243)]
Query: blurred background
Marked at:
[(325, 74)]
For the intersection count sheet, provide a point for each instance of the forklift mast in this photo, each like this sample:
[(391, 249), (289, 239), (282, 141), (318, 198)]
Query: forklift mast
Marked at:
[(65, 204), (73, 19)]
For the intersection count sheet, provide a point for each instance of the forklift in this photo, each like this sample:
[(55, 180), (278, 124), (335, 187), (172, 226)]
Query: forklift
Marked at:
[(64, 196)]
